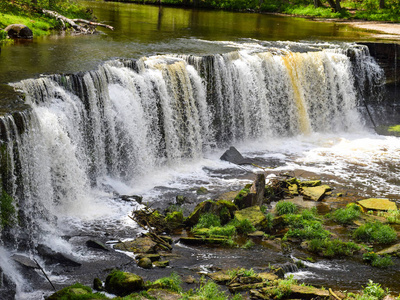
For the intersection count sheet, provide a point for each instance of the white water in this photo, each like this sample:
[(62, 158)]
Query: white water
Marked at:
[(165, 121)]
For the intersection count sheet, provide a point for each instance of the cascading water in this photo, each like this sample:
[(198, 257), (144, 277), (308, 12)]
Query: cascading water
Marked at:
[(129, 118)]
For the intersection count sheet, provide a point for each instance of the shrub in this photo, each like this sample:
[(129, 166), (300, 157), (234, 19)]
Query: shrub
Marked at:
[(375, 290), (210, 290), (285, 207), (243, 226), (284, 288), (227, 230), (310, 229), (346, 215), (375, 233)]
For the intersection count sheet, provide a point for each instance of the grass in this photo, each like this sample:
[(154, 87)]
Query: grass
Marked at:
[(249, 244), (332, 248), (243, 226), (375, 233), (346, 215), (172, 282), (378, 261), (242, 272), (208, 220), (285, 207), (374, 290), (283, 288)]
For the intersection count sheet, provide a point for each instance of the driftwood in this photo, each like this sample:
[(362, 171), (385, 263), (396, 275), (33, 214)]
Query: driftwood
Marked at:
[(73, 23)]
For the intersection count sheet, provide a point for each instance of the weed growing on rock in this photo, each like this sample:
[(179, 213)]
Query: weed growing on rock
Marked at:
[(243, 226), (284, 288), (375, 233), (172, 282), (242, 272), (346, 215), (208, 220), (285, 207), (378, 261), (332, 248), (249, 244), (374, 291)]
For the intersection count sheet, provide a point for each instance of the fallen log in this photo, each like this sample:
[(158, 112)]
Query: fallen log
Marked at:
[(73, 22)]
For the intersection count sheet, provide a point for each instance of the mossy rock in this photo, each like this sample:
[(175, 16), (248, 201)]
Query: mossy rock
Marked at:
[(220, 277), (392, 250), (161, 264), (222, 208), (174, 219), (203, 241), (242, 198), (377, 204), (145, 263), (164, 294), (76, 291), (293, 189), (254, 215), (152, 257), (140, 245), (202, 191), (123, 283), (391, 130), (315, 193), (310, 183)]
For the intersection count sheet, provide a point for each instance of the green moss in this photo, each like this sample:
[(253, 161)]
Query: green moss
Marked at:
[(7, 210), (76, 292), (243, 193), (395, 128), (208, 220)]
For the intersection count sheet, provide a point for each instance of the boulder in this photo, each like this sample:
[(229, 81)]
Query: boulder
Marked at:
[(98, 284), (25, 261), (233, 156), (96, 245), (152, 257), (377, 204), (253, 195), (202, 191), (123, 283), (19, 31), (174, 219), (315, 193), (76, 291), (308, 292), (222, 208), (140, 245), (130, 198), (254, 215), (161, 264), (164, 294), (53, 257), (310, 183), (220, 277), (145, 263), (180, 200)]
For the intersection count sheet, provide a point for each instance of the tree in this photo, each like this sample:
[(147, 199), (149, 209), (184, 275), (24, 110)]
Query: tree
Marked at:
[(335, 4), (381, 4)]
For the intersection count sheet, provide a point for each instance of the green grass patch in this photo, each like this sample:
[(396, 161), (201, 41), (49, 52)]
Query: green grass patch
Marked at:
[(378, 261), (243, 226), (285, 207), (346, 215), (172, 282), (375, 233), (242, 272), (208, 220), (332, 248)]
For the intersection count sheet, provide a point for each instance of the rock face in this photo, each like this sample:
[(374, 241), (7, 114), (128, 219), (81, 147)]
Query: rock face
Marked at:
[(19, 31), (123, 283), (377, 204), (233, 156)]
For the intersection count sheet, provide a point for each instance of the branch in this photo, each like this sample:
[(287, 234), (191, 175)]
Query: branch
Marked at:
[(93, 23)]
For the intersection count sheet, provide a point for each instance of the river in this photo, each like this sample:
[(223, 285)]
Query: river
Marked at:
[(148, 110)]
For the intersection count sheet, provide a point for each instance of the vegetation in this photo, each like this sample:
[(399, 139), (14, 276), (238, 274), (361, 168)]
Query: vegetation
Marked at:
[(375, 233), (377, 261), (29, 13), (373, 291), (7, 210), (285, 207), (346, 215), (283, 288), (172, 282), (242, 272), (332, 248)]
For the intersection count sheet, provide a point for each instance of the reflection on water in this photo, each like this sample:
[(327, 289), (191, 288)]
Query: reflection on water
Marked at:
[(147, 30)]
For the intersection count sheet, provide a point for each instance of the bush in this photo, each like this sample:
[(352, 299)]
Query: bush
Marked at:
[(285, 207), (242, 227), (375, 290), (346, 215), (208, 220), (310, 229), (375, 233), (332, 248)]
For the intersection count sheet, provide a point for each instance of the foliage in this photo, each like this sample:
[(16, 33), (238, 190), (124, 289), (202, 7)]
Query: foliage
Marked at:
[(210, 290), (375, 233), (249, 244), (243, 226), (378, 261), (208, 220), (332, 248), (374, 291), (285, 207), (76, 291), (311, 229), (172, 282), (242, 272), (7, 210), (346, 215), (393, 216), (283, 288), (270, 218)]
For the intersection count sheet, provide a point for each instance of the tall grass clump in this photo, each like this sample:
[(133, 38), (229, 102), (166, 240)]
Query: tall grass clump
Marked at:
[(375, 233), (285, 207), (172, 282), (346, 215)]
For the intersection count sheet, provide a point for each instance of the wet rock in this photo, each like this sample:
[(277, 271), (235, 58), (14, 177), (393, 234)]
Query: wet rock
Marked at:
[(53, 257), (392, 250), (377, 204), (25, 261), (152, 257), (268, 276), (174, 219), (310, 183), (96, 245), (145, 263), (233, 156), (140, 245), (189, 279), (308, 292), (254, 215), (180, 199), (123, 283), (98, 284), (7, 287), (19, 31), (254, 195), (129, 198), (316, 193), (161, 264), (220, 277), (164, 294), (166, 239), (202, 191)]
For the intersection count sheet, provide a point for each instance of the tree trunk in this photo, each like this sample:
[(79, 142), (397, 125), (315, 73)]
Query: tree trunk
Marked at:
[(338, 8), (381, 4), (317, 3), (335, 5)]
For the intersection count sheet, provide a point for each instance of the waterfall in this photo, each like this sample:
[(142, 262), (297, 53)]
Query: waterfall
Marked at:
[(130, 117)]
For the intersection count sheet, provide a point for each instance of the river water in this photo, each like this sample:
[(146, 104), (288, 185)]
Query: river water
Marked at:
[(148, 110)]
